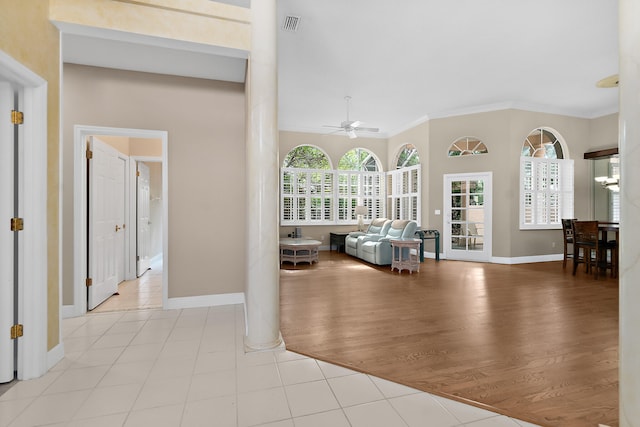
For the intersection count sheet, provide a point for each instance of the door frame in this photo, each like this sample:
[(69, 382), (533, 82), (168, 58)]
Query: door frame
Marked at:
[(33, 358), (133, 213), (486, 254), (80, 135)]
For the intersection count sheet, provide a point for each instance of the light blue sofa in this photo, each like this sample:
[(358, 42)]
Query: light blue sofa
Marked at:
[(353, 241), (377, 249)]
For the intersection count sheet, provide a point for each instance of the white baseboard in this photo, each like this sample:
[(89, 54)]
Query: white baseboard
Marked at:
[(432, 255), (55, 355), (68, 311), (510, 260), (527, 259), (205, 301), (156, 259)]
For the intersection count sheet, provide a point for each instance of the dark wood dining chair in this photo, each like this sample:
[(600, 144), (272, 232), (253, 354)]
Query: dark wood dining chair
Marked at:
[(609, 249), (585, 238), (567, 230)]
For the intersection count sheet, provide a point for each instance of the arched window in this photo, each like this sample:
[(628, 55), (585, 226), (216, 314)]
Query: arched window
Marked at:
[(306, 157), (403, 186), (542, 143), (467, 146), (360, 184), (359, 159), (408, 156), (546, 181), (306, 187)]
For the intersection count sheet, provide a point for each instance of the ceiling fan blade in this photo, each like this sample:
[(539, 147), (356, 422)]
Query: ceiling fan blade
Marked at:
[(352, 134), (334, 127), (367, 129), (355, 124)]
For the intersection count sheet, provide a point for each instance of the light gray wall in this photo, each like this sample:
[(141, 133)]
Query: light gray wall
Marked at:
[(205, 121)]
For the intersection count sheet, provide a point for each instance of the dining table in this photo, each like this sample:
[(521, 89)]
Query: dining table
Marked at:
[(610, 235)]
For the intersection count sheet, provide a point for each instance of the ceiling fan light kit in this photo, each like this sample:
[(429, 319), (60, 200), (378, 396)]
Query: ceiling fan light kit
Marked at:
[(350, 127)]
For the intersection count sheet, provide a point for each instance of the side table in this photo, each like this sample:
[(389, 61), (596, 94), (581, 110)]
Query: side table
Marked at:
[(337, 238), (405, 255), (429, 234)]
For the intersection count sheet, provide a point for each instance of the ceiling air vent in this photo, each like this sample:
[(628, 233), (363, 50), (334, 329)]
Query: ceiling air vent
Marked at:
[(291, 23)]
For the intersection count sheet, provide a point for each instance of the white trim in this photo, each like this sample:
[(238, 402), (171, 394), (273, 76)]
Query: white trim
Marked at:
[(68, 311), (81, 132), (205, 301), (55, 355), (432, 255), (32, 179), (527, 259)]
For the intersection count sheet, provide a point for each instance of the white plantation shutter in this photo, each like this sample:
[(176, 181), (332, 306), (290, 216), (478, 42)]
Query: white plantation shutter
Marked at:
[(546, 192), (566, 189), (317, 197), (306, 196), (323, 197), (403, 193)]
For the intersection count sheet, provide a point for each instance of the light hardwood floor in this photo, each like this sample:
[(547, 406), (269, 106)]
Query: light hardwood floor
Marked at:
[(141, 293), (529, 341)]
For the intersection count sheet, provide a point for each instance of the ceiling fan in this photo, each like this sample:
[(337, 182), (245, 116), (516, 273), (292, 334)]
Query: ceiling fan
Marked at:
[(350, 127)]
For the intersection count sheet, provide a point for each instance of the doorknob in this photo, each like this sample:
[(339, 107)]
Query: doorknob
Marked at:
[(117, 228)]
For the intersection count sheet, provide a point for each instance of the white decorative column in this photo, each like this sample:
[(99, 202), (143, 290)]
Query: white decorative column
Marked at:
[(629, 146), (262, 291)]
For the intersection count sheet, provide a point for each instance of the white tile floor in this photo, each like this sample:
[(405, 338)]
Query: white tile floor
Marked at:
[(188, 368)]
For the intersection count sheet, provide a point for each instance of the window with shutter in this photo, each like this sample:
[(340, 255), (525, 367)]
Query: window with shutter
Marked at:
[(546, 182), (403, 193), (317, 196)]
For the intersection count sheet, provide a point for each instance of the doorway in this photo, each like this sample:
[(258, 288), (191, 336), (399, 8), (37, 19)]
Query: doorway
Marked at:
[(83, 269), (468, 217)]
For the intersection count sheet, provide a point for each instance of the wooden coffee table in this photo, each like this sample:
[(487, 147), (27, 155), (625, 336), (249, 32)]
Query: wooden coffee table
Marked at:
[(299, 250)]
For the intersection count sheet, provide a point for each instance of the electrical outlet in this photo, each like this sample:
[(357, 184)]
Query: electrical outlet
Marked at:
[(322, 238), (553, 244)]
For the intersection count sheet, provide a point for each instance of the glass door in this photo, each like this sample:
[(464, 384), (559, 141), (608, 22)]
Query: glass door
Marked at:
[(467, 228)]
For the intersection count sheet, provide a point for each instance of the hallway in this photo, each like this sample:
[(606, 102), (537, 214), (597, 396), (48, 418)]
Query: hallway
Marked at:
[(141, 293)]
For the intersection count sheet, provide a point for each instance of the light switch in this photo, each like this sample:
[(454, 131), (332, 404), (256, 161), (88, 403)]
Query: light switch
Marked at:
[(437, 212)]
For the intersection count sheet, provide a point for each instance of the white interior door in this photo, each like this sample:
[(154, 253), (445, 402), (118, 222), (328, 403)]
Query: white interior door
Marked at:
[(467, 228), (103, 219), (7, 209), (143, 246)]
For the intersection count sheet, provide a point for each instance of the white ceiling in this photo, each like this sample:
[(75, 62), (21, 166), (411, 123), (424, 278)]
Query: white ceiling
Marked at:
[(405, 61)]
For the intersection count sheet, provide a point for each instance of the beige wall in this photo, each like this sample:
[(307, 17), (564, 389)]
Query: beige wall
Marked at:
[(503, 132), (147, 147), (575, 132), (120, 143), (28, 37), (206, 156), (418, 136), (603, 132), (492, 129)]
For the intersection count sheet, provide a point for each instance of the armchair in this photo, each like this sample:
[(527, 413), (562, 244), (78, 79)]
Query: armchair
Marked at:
[(352, 242), (377, 249)]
